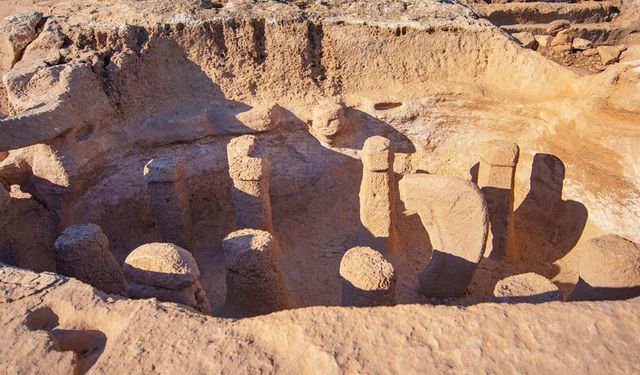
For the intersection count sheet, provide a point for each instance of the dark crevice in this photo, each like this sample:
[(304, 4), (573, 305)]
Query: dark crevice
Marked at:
[(259, 41), (315, 37)]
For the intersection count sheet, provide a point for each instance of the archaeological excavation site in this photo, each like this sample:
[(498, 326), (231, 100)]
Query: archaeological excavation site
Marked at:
[(319, 186)]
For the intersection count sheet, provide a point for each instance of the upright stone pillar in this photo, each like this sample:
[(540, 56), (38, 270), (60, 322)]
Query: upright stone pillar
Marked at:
[(377, 195), (496, 180), (248, 168), (82, 251), (254, 282), (169, 199)]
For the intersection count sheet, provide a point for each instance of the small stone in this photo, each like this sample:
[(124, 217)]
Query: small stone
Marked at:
[(526, 39), (590, 52), (526, 288), (563, 37), (581, 44), (562, 48), (557, 25), (543, 40), (608, 54)]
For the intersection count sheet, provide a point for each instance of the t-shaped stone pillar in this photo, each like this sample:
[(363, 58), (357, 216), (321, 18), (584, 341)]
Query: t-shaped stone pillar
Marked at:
[(248, 168), (82, 251), (377, 195), (254, 282), (496, 180), (367, 278), (169, 199)]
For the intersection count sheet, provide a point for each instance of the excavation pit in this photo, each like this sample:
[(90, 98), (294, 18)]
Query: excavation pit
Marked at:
[(420, 131)]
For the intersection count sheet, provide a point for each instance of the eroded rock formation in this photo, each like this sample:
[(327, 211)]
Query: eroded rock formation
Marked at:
[(82, 251), (166, 272), (455, 215), (367, 278), (253, 279)]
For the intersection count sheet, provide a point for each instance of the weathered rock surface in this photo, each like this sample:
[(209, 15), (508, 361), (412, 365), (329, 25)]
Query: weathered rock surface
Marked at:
[(163, 265), (166, 272), (455, 215), (526, 39), (609, 269), (377, 195), (367, 278), (496, 179), (16, 32), (253, 279), (608, 54), (82, 251), (495, 337), (528, 288), (169, 199)]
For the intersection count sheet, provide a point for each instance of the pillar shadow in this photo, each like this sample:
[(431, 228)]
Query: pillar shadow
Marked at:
[(547, 227)]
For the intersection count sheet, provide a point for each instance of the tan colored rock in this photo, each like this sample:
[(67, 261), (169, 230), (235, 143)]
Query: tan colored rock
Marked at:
[(16, 32), (590, 52), (149, 336), (609, 269), (526, 39), (496, 177), (455, 215), (164, 265), (82, 251), (248, 168), (367, 278), (526, 288), (254, 282), (377, 195), (556, 26), (169, 199), (166, 272), (562, 38), (608, 54), (581, 44), (543, 40), (329, 120), (260, 118)]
